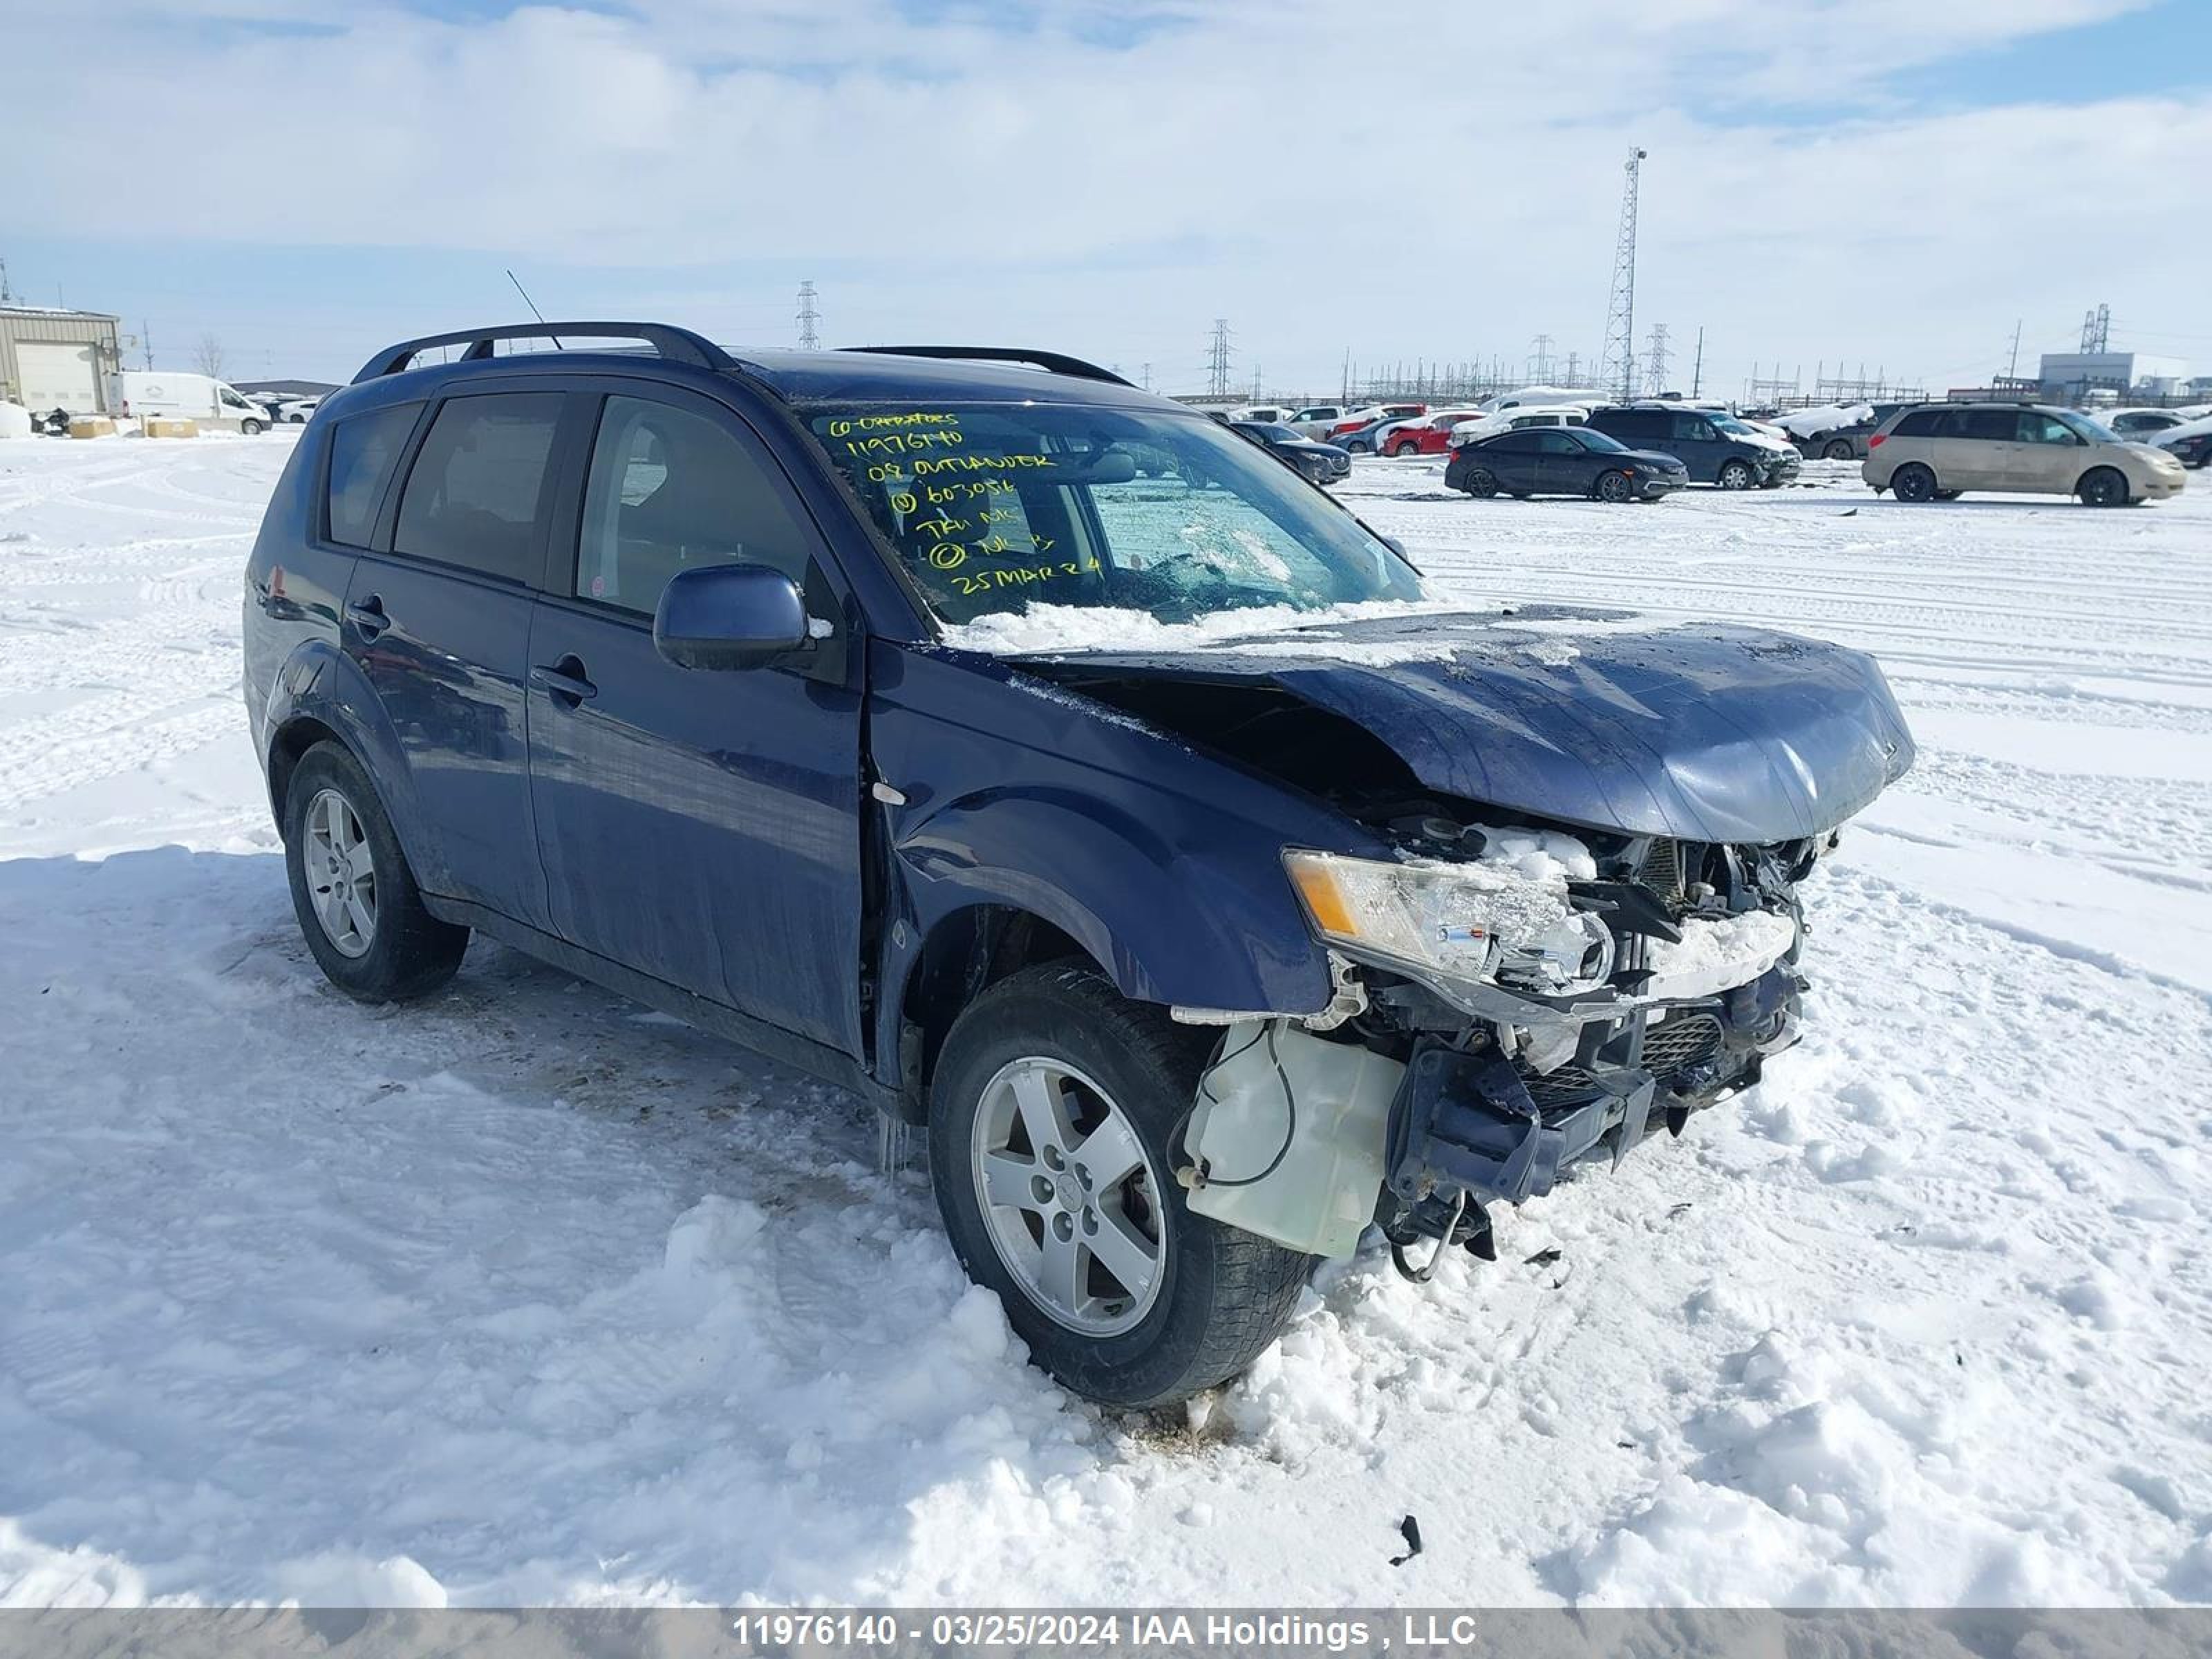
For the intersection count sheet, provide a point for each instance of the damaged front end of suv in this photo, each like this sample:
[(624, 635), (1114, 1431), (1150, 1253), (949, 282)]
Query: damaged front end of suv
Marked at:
[(1585, 925)]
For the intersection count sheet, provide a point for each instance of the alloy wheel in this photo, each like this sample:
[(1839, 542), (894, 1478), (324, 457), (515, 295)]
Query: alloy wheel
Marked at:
[(1070, 1196), (341, 871)]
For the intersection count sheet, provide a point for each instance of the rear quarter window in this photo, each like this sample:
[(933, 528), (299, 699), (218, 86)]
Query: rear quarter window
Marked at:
[(1920, 424), (364, 450)]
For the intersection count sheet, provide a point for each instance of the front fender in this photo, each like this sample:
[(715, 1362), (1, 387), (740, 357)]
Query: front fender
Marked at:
[(319, 682), (1163, 862)]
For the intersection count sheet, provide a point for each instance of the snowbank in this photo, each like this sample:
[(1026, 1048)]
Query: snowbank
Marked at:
[(15, 421)]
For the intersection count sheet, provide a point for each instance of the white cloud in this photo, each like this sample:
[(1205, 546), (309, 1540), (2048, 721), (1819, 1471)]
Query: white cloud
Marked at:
[(1399, 180)]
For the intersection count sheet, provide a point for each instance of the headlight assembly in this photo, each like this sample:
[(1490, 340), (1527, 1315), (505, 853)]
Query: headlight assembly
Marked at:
[(1455, 927)]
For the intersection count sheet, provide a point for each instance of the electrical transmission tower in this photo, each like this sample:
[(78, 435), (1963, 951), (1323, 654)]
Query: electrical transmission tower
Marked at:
[(1655, 356), (1574, 370), (809, 315), (2097, 330), (1217, 360), (1617, 364), (1540, 362)]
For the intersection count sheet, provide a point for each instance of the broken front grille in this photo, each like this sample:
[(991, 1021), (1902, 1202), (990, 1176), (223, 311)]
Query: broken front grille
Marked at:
[(1670, 1048)]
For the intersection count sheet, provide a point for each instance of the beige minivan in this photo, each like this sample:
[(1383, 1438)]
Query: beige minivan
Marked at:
[(1938, 451)]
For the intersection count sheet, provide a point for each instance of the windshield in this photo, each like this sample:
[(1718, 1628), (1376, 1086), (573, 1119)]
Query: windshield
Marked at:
[(994, 507), (1729, 423)]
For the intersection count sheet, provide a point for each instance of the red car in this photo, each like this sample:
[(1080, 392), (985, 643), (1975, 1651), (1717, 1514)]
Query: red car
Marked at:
[(1360, 418), (1430, 435)]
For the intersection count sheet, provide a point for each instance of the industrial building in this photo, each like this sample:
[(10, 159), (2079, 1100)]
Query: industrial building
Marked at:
[(2069, 376), (56, 359)]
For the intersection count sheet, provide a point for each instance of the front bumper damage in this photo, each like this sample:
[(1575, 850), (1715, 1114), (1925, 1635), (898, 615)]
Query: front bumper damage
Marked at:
[(1471, 1127), (1415, 1106)]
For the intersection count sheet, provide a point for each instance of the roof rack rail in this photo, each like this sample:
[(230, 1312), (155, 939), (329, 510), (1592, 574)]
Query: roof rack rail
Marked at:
[(1055, 362), (676, 344)]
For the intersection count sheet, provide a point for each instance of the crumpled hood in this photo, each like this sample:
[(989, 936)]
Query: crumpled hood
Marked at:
[(1703, 733)]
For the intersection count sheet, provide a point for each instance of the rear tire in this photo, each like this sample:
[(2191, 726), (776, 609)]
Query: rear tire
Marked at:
[(2103, 486), (1913, 483), (358, 906), (1481, 482), (1056, 1045), (1735, 475), (1948, 495)]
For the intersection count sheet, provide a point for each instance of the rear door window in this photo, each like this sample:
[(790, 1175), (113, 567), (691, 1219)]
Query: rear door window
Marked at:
[(2000, 426), (364, 450), (478, 488)]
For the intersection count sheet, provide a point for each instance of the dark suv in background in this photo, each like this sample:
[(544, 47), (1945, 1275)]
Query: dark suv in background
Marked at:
[(1714, 448), (889, 712)]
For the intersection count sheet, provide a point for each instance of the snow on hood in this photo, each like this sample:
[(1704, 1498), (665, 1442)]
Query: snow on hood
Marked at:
[(1069, 630), (1710, 732)]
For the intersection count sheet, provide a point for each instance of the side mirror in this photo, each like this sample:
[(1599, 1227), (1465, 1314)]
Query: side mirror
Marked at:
[(729, 616), (1394, 545)]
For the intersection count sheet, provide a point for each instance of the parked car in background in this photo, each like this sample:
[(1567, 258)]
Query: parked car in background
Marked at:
[(894, 761), (1360, 441), (200, 398), (1368, 414), (295, 411), (1938, 452), (1428, 435), (1547, 396), (2191, 443), (1715, 448), (1259, 412), (1515, 420), (1836, 433), (1563, 460), (1314, 420), (1316, 463), (2141, 425)]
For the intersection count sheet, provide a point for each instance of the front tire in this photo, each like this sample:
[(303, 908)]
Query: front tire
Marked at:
[(1913, 483), (1399, 451), (1615, 487), (1735, 475), (356, 898), (1050, 1116), (1838, 449), (2104, 486), (250, 429)]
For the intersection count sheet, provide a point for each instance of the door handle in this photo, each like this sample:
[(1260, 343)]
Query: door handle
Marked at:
[(564, 682), (368, 617)]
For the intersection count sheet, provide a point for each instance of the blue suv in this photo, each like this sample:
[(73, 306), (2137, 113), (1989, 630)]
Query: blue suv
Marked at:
[(1050, 766)]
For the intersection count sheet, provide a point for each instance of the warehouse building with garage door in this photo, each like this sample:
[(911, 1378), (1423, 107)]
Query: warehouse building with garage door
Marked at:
[(58, 359)]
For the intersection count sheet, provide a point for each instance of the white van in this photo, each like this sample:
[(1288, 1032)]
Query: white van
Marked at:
[(200, 398)]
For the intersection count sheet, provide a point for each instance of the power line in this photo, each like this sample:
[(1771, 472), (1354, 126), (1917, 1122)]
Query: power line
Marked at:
[(1617, 364), (1656, 355), (1217, 360), (810, 314)]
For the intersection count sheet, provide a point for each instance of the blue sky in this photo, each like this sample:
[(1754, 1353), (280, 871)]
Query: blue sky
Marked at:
[(1885, 180)]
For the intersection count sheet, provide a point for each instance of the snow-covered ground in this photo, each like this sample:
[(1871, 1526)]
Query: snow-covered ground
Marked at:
[(524, 1294)]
